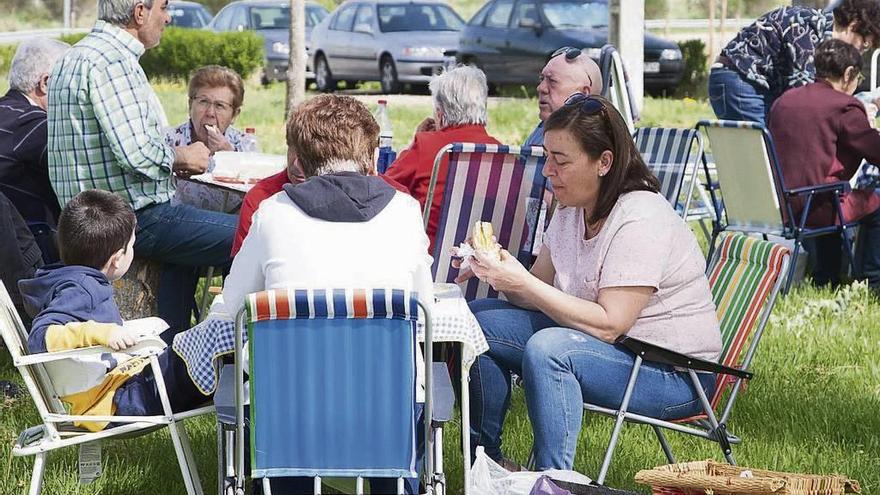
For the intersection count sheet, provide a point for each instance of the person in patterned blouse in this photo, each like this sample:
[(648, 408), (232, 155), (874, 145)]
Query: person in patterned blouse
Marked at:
[(105, 132), (775, 53), (215, 97)]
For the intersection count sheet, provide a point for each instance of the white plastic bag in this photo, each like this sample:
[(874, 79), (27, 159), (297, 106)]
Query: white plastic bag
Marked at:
[(488, 478)]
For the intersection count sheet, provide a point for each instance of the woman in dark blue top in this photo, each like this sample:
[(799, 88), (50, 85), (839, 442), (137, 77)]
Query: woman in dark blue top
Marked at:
[(775, 53)]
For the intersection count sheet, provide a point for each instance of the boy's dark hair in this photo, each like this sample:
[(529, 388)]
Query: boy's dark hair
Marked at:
[(833, 57), (94, 225), (866, 15)]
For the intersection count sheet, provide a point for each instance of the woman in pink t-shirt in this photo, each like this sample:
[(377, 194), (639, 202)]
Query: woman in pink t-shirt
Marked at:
[(616, 260)]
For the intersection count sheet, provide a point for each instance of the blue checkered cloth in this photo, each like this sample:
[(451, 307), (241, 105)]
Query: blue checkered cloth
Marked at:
[(202, 346)]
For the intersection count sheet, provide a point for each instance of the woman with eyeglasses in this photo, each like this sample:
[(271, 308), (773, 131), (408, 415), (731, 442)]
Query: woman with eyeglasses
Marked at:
[(616, 260), (822, 134), (775, 53), (215, 97)]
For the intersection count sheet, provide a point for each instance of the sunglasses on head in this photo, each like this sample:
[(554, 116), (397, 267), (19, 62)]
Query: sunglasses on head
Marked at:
[(586, 103), (571, 53)]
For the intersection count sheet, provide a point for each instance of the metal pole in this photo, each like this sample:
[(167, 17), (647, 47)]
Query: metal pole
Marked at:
[(67, 11)]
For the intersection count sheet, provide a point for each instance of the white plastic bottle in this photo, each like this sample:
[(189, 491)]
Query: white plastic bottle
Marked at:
[(249, 140)]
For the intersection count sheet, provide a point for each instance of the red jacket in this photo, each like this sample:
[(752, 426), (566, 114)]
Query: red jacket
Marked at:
[(821, 136), (265, 189), (413, 167)]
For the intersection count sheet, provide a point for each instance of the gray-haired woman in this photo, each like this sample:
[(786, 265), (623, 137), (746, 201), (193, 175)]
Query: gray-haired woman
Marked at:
[(459, 97)]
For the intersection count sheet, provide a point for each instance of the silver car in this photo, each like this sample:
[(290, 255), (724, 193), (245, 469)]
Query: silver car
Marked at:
[(271, 20), (391, 41)]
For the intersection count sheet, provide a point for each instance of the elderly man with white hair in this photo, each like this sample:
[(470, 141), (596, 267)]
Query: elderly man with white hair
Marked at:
[(460, 115), (105, 133), (24, 169), (569, 71)]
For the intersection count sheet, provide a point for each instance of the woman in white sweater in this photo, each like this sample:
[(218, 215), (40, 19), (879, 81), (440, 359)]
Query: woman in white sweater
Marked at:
[(342, 227)]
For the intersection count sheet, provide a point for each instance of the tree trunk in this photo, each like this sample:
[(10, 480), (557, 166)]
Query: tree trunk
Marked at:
[(721, 26), (296, 66), (711, 30), (136, 292)]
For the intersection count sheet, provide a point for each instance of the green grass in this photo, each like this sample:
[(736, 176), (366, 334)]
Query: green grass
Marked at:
[(813, 406)]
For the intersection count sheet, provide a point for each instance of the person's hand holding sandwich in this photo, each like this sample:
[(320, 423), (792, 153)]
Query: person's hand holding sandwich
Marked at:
[(491, 263)]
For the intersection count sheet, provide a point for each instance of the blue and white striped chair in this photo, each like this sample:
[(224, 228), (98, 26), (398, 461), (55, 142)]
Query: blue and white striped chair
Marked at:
[(332, 376), (492, 183)]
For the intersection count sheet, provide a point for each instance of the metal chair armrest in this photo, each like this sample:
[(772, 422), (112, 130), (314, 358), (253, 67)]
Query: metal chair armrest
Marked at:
[(841, 186), (145, 346), (651, 352)]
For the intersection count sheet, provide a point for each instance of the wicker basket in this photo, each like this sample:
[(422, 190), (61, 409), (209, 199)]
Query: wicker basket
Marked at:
[(710, 477)]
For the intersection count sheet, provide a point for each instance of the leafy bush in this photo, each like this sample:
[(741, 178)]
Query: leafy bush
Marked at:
[(695, 75), (182, 51)]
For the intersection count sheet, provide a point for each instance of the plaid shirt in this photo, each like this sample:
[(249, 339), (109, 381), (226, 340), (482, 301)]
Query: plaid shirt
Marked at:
[(104, 132)]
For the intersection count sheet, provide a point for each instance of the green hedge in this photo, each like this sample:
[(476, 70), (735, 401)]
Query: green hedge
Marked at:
[(184, 50), (696, 72)]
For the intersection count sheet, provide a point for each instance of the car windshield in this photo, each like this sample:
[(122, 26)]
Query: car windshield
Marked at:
[(418, 17), (568, 14), (279, 17), (190, 17)]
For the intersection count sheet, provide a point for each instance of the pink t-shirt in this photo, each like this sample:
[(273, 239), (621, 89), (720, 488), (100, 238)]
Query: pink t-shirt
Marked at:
[(643, 243)]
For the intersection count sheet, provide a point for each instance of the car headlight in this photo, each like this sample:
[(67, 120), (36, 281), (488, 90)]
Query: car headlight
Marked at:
[(670, 54), (423, 51), (281, 47), (593, 53)]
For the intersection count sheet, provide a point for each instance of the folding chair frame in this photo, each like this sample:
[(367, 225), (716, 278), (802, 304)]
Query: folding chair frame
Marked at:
[(57, 429), (434, 477), (530, 227), (614, 85), (713, 428), (793, 227)]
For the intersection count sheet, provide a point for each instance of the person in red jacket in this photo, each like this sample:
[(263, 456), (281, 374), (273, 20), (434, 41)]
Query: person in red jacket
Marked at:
[(822, 134), (460, 116), (271, 186)]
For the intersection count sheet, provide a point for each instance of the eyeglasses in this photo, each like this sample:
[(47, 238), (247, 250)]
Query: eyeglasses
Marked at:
[(859, 78), (571, 53), (205, 103)]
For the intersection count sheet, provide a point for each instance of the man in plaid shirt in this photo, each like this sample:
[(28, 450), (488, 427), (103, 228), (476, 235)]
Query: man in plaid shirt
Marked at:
[(105, 133)]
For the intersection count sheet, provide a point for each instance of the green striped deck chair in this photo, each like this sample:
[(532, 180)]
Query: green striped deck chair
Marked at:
[(745, 276)]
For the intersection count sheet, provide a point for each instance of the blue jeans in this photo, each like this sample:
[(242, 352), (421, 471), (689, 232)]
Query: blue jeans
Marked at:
[(734, 98), (183, 238), (561, 369)]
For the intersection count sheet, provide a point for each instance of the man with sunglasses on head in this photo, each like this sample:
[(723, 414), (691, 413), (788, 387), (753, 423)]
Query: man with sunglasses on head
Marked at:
[(569, 70), (105, 132)]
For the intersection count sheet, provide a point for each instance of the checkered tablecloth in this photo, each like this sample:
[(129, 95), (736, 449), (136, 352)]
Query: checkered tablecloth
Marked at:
[(203, 345)]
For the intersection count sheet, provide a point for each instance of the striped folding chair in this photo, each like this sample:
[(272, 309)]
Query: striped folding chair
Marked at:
[(492, 183), (673, 155), (333, 389), (755, 197), (615, 85), (745, 277)]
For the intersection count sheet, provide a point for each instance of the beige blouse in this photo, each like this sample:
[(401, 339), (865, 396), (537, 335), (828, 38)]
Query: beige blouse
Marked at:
[(642, 243)]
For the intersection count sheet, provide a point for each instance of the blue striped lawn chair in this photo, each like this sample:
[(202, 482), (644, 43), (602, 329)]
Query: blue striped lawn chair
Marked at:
[(675, 157), (332, 385), (615, 85), (492, 183), (755, 197)]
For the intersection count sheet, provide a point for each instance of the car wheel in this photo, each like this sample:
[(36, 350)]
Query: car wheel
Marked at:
[(388, 75), (323, 77)]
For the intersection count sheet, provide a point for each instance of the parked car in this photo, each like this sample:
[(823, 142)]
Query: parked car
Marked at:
[(271, 20), (511, 40), (393, 41), (188, 14)]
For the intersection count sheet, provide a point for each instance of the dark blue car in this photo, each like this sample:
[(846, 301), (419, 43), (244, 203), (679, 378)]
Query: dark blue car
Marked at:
[(511, 40)]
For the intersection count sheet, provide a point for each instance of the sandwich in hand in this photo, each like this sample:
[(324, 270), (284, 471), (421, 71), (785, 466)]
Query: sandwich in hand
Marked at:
[(482, 240)]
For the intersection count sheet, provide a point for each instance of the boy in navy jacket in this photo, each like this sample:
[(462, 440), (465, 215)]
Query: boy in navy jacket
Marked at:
[(72, 306)]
